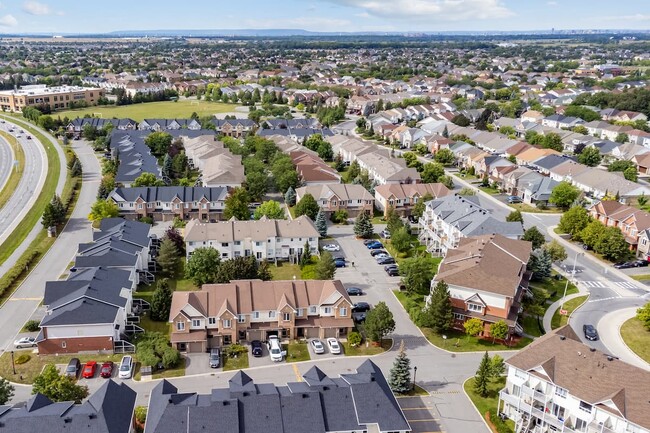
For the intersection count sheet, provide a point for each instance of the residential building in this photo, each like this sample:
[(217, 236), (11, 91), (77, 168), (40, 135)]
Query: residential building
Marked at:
[(537, 191), (383, 168), (234, 127), (448, 219), (77, 125), (354, 402), (559, 384), (312, 170), (164, 203), (402, 197), (108, 410), (264, 239), (632, 222), (158, 125), (354, 199), (246, 310), (54, 97), (134, 156), (487, 279)]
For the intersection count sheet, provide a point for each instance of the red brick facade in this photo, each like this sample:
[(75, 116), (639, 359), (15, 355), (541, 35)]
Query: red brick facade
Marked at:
[(75, 345)]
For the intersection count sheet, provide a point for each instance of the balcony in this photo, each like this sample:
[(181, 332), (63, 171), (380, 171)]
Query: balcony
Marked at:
[(596, 427)]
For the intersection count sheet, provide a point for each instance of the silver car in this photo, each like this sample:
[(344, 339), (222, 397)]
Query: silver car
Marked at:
[(317, 346)]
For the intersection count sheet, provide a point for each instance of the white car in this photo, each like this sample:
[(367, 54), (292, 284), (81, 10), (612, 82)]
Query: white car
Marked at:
[(317, 346), (334, 346), (126, 367), (381, 256), (275, 349), (25, 342), (331, 248)]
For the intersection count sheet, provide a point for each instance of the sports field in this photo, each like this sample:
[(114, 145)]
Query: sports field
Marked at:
[(181, 109)]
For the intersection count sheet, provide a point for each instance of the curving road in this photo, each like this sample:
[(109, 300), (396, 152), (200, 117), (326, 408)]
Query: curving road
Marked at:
[(6, 162)]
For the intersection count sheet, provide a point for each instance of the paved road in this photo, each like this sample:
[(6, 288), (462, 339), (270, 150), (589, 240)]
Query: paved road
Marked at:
[(6, 162)]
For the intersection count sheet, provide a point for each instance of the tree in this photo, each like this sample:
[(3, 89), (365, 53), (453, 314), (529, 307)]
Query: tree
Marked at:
[(325, 268), (432, 172), (58, 387), (175, 236), (556, 251), (307, 206), (400, 374), (497, 366), (473, 327), (393, 221), (499, 330), (445, 157), (460, 120), (103, 209), (237, 205), (321, 223), (445, 132), (147, 179), (540, 265), (553, 141), (379, 322), (6, 390), (240, 268), (590, 156), (642, 200), (54, 212), (290, 196), (515, 216), (622, 138), (417, 273), (363, 226), (305, 257), (270, 209), (257, 184), (159, 142), (76, 169), (482, 376), (354, 338), (168, 257), (592, 233), (421, 205), (564, 195), (631, 174), (612, 244), (401, 239), (161, 301), (574, 221), (106, 185), (354, 170), (202, 266), (439, 315), (167, 166), (643, 314), (534, 236), (620, 165)]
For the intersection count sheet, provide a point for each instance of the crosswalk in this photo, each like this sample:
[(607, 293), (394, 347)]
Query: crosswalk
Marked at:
[(604, 284)]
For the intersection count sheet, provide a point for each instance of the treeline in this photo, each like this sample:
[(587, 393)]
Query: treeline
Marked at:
[(630, 100)]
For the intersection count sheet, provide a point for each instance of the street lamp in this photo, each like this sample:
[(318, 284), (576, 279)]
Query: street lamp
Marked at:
[(415, 371), (13, 364), (573, 273)]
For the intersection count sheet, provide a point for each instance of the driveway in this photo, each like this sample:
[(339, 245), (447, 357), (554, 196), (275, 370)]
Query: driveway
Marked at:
[(198, 363)]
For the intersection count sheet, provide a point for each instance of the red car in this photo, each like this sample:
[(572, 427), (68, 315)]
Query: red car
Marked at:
[(107, 369), (89, 370)]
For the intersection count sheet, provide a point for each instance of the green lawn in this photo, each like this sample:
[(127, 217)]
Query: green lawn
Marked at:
[(489, 403), (14, 177), (152, 326), (285, 271), (239, 363), (372, 349), (297, 351), (570, 306), (641, 277), (489, 190), (181, 109), (530, 325), (637, 337), (555, 288), (534, 209)]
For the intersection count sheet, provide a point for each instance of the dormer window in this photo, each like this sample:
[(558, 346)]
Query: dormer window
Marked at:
[(475, 307)]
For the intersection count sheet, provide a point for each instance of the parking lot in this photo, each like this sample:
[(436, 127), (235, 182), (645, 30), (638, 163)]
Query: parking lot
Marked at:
[(420, 413)]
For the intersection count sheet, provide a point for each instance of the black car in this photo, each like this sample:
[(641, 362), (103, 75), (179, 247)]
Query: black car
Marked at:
[(361, 307), (624, 265), (377, 252), (354, 291), (393, 272), (640, 263), (386, 261), (256, 348), (391, 266), (590, 332)]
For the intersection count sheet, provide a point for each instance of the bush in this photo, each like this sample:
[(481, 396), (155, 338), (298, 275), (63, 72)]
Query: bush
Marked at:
[(340, 217), (146, 220), (32, 325), (21, 359), (153, 348), (234, 350), (17, 270), (141, 414), (354, 338)]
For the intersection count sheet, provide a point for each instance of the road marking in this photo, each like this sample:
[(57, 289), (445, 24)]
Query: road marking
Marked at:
[(605, 299), (626, 284), (423, 420), (593, 284), (445, 392), (297, 373), (25, 299), (417, 408)]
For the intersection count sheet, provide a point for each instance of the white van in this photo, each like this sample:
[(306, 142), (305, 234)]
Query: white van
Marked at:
[(126, 367), (275, 349)]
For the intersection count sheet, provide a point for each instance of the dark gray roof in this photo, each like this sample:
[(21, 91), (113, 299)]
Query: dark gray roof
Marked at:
[(348, 403), (134, 155), (167, 193), (293, 123), (107, 257), (83, 311), (549, 161), (133, 232), (108, 410), (59, 293)]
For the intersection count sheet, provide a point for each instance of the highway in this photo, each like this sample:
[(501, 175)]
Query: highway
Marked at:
[(6, 162)]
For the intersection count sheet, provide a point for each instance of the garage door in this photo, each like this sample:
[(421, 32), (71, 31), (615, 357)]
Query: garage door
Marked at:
[(330, 332), (312, 332), (254, 334), (196, 347)]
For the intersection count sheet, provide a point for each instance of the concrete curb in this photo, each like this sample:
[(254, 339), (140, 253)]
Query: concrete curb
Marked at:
[(625, 315), (487, 426), (13, 158), (550, 311)]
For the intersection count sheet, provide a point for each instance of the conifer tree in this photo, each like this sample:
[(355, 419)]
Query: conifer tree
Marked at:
[(363, 226), (321, 223), (400, 374), (482, 377)]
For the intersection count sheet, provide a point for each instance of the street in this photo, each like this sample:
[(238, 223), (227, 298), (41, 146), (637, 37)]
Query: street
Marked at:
[(6, 162)]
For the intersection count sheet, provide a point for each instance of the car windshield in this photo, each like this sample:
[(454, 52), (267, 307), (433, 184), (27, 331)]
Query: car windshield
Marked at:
[(71, 368), (275, 351), (124, 367)]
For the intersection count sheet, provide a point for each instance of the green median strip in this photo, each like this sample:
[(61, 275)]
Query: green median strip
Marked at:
[(16, 175)]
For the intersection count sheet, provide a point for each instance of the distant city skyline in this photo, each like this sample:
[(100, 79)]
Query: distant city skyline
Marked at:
[(78, 16)]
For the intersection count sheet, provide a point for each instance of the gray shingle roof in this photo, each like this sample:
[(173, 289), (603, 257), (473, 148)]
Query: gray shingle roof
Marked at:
[(83, 311), (168, 193)]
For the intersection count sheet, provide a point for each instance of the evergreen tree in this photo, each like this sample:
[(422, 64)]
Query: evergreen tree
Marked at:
[(6, 390), (363, 226), (545, 264), (439, 314), (305, 257), (325, 268), (168, 257), (161, 301), (290, 196), (400, 374), (482, 377), (321, 223), (167, 166), (106, 185), (54, 213), (445, 132)]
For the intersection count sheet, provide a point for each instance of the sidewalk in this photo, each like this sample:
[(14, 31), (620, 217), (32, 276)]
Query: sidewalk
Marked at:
[(548, 315), (609, 328)]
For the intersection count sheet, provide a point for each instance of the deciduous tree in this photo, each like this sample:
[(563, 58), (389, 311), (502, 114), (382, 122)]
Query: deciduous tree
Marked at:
[(564, 195), (103, 209), (499, 330), (574, 221), (271, 209), (379, 322), (58, 387), (473, 326), (534, 236), (237, 205), (202, 266), (307, 206)]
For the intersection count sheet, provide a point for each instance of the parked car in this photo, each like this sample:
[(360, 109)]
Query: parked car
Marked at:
[(369, 241), (386, 261), (375, 253), (215, 358), (640, 263), (126, 367), (25, 342), (624, 265), (89, 370), (339, 262), (72, 370), (106, 370), (385, 234), (334, 346), (29, 137), (390, 266), (331, 248), (393, 272), (514, 199), (381, 256), (375, 246), (256, 348), (360, 307), (590, 332), (354, 291), (359, 317), (317, 346), (275, 349)]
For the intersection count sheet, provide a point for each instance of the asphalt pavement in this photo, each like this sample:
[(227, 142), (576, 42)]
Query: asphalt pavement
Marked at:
[(6, 162)]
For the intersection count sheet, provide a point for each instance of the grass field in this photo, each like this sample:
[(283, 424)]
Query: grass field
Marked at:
[(637, 338), (297, 351), (555, 288), (570, 306), (238, 363), (14, 177), (372, 349), (533, 209), (284, 271), (181, 109), (489, 403)]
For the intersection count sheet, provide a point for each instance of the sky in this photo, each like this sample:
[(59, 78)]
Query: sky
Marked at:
[(93, 16)]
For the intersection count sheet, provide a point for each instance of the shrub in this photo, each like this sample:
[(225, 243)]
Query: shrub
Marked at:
[(32, 325), (235, 350), (17, 270), (21, 359), (141, 414), (340, 217), (354, 338), (146, 220)]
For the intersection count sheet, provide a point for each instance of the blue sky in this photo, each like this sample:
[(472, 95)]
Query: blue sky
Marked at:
[(84, 16)]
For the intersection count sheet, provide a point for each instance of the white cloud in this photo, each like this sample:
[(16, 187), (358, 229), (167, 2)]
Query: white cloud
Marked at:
[(432, 10), (36, 8), (552, 3), (8, 21), (306, 23)]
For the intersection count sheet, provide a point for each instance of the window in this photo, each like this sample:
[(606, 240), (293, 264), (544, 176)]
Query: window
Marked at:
[(343, 311), (459, 316), (212, 320), (271, 314), (224, 244), (301, 311), (286, 317), (224, 255), (63, 345), (258, 244), (140, 206), (237, 243), (256, 314), (584, 406), (196, 323), (226, 323), (241, 318), (312, 309), (521, 374), (258, 255), (180, 326), (327, 310), (474, 307), (560, 391), (644, 241)]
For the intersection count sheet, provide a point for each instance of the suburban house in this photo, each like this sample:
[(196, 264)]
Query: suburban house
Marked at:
[(446, 220), (402, 197), (559, 384), (312, 170), (333, 197), (168, 124), (234, 127), (632, 222), (642, 163), (108, 410), (537, 191), (134, 156), (264, 239), (487, 279), (384, 169), (164, 203), (354, 402), (246, 310), (76, 126)]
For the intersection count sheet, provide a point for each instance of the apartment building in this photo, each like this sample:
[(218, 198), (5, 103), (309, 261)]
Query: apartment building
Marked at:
[(402, 197), (632, 222), (245, 310), (265, 239), (354, 199), (559, 384), (55, 97)]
